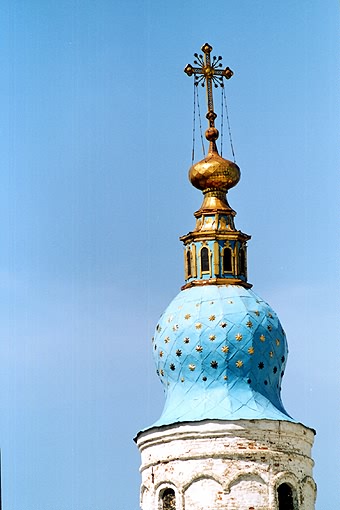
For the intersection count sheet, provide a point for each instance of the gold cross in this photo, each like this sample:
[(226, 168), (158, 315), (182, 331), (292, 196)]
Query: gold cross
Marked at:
[(207, 74)]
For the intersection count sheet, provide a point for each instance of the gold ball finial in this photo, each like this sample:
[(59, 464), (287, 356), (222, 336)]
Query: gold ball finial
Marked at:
[(212, 134)]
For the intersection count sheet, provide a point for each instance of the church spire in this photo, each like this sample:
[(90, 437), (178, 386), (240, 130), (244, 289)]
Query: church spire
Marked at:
[(224, 438), (215, 252)]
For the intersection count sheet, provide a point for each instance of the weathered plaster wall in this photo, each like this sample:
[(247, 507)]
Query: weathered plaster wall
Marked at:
[(234, 465)]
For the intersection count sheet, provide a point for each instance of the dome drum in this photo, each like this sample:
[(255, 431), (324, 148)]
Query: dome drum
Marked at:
[(215, 260)]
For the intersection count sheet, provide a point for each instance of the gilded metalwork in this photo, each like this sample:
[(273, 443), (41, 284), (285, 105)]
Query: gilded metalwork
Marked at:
[(208, 72), (216, 257), (217, 281)]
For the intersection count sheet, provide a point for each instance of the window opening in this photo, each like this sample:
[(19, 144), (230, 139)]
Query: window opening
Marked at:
[(242, 258), (205, 260), (169, 500), (227, 267), (189, 263), (285, 496)]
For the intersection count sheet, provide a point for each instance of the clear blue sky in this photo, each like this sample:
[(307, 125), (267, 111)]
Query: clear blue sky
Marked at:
[(95, 145)]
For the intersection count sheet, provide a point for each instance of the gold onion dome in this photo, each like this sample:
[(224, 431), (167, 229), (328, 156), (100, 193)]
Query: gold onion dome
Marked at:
[(214, 173)]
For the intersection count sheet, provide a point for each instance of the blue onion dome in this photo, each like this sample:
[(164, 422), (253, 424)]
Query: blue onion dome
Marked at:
[(220, 352)]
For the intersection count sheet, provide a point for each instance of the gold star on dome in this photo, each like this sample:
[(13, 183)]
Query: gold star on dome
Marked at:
[(212, 317), (257, 313), (186, 340), (270, 315), (212, 337), (239, 363), (182, 379), (199, 348), (269, 327), (170, 318), (211, 302), (249, 324), (223, 324), (187, 316), (166, 340), (198, 305), (192, 367), (198, 325), (262, 338), (178, 352), (175, 327), (251, 350), (161, 354), (162, 372), (230, 302), (225, 377), (225, 348), (277, 342), (271, 354), (238, 337)]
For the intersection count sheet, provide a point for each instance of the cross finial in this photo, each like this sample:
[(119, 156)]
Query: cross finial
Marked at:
[(208, 73)]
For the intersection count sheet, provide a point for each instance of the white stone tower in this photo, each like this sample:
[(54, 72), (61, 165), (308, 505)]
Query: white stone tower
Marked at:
[(224, 439)]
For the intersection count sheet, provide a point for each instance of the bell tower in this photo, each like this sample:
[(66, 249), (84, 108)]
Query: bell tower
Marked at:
[(224, 440)]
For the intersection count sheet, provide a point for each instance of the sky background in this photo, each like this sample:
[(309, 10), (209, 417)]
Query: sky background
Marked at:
[(95, 145)]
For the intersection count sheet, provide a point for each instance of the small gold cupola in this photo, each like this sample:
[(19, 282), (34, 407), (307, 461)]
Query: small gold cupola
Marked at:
[(215, 252)]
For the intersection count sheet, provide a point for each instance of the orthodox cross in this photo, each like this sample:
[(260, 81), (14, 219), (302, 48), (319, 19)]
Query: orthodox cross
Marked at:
[(208, 73)]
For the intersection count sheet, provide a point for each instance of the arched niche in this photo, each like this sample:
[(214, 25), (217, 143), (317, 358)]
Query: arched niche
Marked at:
[(204, 493), (167, 499), (251, 484), (286, 497)]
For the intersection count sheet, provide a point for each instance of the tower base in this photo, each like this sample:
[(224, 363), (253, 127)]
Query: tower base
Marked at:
[(234, 465)]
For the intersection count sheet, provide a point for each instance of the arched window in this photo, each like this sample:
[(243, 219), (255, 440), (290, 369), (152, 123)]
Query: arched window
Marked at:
[(286, 497), (242, 262), (227, 266), (168, 500), (189, 263), (205, 260)]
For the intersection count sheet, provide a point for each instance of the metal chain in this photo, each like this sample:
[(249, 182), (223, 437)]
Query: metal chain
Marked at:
[(228, 123), (222, 121), (193, 129), (200, 121)]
